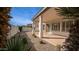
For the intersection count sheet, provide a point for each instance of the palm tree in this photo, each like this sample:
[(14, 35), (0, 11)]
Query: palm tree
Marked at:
[(4, 25), (72, 42)]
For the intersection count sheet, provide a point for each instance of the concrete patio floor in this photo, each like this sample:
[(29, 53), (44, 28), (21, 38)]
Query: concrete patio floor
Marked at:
[(53, 38), (51, 42)]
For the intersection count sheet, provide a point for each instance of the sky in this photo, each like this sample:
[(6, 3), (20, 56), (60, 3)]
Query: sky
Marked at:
[(23, 15)]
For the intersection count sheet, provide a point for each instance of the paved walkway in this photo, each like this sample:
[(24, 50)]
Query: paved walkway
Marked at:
[(41, 47)]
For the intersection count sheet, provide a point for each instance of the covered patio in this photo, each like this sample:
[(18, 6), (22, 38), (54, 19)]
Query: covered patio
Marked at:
[(47, 25)]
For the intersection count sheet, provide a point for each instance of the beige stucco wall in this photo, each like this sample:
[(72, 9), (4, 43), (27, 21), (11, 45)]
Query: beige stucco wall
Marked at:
[(49, 16), (13, 31)]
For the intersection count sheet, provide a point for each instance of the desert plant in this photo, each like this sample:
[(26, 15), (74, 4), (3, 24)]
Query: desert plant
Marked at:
[(42, 42), (20, 28), (72, 42), (58, 46), (16, 44), (34, 35)]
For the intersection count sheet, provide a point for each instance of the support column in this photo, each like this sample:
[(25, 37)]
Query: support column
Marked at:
[(45, 28), (60, 26), (50, 28), (33, 30), (40, 27)]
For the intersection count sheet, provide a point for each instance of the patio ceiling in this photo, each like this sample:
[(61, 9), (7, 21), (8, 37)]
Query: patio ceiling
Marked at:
[(51, 16)]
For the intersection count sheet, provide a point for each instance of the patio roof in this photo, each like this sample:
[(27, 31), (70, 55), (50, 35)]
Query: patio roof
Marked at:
[(49, 15), (39, 13)]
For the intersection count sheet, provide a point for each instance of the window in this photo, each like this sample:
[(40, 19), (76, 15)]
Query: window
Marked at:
[(43, 26), (52, 26), (63, 26), (48, 27), (66, 25), (56, 26)]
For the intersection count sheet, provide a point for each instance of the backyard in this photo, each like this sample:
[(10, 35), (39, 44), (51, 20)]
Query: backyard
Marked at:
[(39, 29)]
